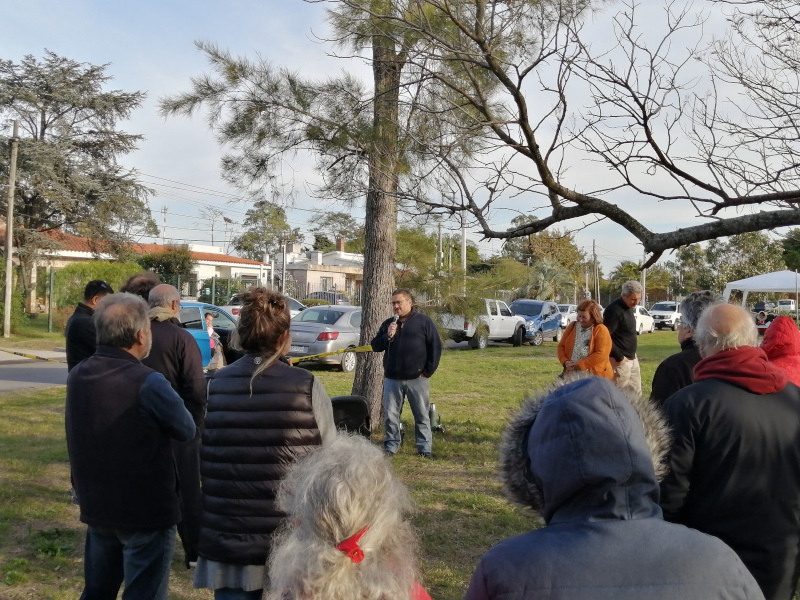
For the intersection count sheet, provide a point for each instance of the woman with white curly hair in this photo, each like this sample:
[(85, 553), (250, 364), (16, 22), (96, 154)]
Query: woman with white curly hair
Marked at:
[(346, 536)]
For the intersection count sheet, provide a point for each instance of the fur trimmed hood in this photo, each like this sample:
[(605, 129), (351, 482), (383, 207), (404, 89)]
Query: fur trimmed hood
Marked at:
[(583, 449)]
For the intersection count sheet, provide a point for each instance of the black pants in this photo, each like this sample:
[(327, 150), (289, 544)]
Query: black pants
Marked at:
[(187, 463)]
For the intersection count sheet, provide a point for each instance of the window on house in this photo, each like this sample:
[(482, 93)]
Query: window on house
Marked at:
[(326, 283)]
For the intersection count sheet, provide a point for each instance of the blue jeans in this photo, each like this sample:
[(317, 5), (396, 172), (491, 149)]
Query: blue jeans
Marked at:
[(236, 594), (141, 559), (418, 392)]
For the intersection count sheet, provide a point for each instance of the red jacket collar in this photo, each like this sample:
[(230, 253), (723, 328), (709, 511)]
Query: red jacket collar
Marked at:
[(746, 367)]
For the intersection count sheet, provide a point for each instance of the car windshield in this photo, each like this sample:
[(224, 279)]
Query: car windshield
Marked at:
[(530, 309), (663, 306), (316, 315), (785, 302), (563, 309)]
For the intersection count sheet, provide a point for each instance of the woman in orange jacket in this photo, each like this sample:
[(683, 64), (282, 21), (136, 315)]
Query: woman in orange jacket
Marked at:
[(586, 344)]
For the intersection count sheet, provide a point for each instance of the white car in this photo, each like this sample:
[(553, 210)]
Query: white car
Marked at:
[(666, 314), (569, 313), (644, 322), (235, 306)]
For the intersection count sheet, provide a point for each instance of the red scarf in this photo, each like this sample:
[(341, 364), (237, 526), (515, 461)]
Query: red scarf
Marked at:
[(746, 367)]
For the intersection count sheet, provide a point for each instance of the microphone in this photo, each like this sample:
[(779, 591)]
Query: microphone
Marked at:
[(395, 319)]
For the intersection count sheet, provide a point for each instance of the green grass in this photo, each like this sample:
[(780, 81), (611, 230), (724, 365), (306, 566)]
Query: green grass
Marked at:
[(34, 335), (460, 508)]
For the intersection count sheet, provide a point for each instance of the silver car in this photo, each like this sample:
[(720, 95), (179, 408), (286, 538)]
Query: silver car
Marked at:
[(321, 329)]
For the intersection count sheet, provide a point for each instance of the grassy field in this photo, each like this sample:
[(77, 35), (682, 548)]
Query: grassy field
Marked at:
[(461, 511)]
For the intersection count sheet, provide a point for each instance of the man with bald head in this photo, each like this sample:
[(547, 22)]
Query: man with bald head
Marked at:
[(734, 461), (176, 355)]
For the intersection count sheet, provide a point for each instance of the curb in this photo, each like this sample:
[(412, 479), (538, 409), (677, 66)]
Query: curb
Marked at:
[(32, 356)]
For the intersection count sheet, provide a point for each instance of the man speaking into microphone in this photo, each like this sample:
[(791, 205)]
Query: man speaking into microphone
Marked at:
[(412, 349)]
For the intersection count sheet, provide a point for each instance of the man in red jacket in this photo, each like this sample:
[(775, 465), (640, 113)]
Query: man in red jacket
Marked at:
[(734, 465)]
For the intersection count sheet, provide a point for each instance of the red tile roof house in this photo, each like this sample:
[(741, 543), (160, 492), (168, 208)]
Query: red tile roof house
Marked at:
[(210, 260)]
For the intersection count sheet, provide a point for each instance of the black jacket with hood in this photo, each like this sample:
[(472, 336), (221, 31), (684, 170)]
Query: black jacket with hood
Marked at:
[(580, 456), (735, 464)]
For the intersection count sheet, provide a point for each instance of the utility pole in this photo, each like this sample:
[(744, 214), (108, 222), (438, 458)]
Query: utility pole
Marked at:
[(644, 281), (283, 269), (463, 244), (596, 277), (439, 255), (12, 177)]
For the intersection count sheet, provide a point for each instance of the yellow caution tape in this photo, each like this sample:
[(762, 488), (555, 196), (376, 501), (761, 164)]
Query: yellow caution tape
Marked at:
[(296, 359), (33, 356)]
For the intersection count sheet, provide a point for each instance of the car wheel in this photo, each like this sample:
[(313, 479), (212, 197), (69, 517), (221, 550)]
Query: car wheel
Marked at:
[(641, 329), (559, 334), (652, 327), (675, 325), (479, 341), (348, 364), (519, 337), (537, 338)]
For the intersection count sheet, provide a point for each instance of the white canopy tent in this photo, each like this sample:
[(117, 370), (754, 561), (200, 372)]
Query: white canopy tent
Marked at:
[(786, 282)]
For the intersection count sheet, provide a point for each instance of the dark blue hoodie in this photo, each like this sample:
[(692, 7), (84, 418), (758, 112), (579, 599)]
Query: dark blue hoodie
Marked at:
[(580, 456)]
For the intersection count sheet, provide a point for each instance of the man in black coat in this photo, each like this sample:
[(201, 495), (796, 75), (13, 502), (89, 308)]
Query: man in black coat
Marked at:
[(80, 332), (621, 324), (412, 349), (120, 416), (176, 355), (734, 467), (676, 372)]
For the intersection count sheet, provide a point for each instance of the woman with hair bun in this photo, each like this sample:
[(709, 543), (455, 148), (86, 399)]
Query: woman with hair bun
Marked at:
[(346, 536), (263, 415)]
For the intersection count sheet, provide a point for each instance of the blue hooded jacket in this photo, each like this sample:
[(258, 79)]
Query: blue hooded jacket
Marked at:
[(579, 455)]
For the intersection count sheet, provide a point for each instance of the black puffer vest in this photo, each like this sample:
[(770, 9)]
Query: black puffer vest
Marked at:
[(251, 438)]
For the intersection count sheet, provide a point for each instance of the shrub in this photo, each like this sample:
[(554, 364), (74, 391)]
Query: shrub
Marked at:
[(315, 302), (72, 279)]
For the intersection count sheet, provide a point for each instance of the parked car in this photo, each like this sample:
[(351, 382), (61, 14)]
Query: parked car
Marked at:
[(332, 297), (235, 305), (786, 305), (542, 319), (193, 318), (666, 314), (498, 322), (644, 321), (569, 313), (320, 329)]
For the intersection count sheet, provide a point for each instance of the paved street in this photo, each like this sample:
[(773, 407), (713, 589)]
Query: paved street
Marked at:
[(21, 373)]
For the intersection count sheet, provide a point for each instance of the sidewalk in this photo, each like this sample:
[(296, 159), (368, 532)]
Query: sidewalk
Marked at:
[(20, 355)]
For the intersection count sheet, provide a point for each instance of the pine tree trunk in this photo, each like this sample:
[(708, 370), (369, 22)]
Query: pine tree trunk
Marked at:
[(381, 221)]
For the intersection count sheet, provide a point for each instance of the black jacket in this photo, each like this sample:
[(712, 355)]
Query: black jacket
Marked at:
[(120, 417), (621, 324), (254, 431), (176, 355), (415, 349), (675, 372), (735, 474), (81, 336)]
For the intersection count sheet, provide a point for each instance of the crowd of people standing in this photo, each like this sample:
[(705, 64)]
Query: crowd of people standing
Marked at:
[(245, 465)]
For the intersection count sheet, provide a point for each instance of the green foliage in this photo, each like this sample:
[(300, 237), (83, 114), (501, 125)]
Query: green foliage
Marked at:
[(791, 249), (55, 543), (68, 175), (315, 302), (548, 278), (337, 225), (741, 256), (266, 227), (223, 287), (175, 260), (552, 245), (323, 243), (72, 279)]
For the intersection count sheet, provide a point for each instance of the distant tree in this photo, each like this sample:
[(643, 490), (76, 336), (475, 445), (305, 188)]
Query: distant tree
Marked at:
[(626, 270), (791, 249), (68, 176), (266, 226), (689, 271), (337, 225), (741, 256), (547, 278), (323, 243), (175, 260), (550, 244)]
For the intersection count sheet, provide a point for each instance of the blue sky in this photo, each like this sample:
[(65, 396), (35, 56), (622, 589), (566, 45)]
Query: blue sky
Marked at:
[(150, 47)]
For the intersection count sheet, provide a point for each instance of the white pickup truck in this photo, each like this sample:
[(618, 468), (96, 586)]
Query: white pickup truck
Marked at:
[(498, 324)]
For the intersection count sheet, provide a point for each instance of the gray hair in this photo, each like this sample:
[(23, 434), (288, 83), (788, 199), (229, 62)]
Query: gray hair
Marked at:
[(695, 304), (631, 287), (732, 328), (329, 496), (118, 318), (163, 295)]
